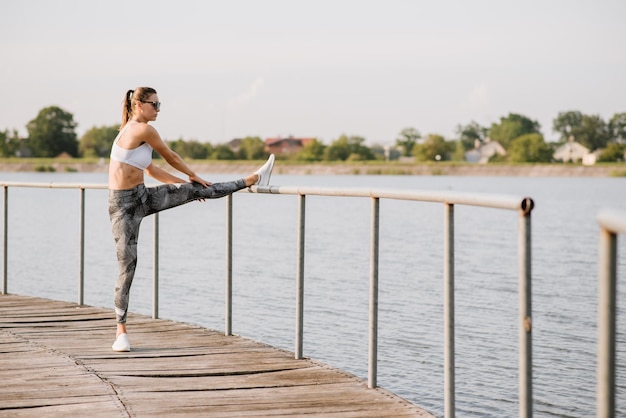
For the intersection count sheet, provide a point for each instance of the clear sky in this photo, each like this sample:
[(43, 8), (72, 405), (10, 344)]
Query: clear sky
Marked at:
[(226, 69)]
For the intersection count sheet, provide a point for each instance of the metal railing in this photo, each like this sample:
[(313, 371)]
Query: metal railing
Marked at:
[(612, 222), (81, 227), (522, 205)]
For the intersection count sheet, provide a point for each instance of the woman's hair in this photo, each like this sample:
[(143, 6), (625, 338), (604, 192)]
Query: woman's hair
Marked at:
[(140, 94)]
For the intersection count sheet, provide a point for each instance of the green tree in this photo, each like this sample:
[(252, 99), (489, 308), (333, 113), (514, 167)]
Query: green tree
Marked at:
[(223, 152), (594, 132), (588, 130), (339, 149), (348, 148), (4, 141), (10, 142), (385, 152), (529, 148), (210, 149), (407, 139), (511, 127), (251, 148), (614, 152), (52, 132), (312, 151), (459, 151), (567, 124), (190, 149), (617, 127), (471, 133), (434, 148), (97, 141)]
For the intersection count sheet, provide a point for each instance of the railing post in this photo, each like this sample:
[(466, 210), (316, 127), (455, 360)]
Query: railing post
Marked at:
[(448, 309), (300, 278), (607, 291), (5, 242), (81, 249), (155, 268), (525, 316), (228, 315), (373, 305)]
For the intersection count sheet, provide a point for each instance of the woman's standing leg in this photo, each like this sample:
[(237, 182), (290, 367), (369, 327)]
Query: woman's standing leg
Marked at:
[(125, 233), (126, 213)]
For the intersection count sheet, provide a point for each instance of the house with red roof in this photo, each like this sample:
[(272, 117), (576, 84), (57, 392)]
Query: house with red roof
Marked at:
[(285, 146)]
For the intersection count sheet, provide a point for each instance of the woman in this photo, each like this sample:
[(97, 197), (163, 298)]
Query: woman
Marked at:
[(130, 200)]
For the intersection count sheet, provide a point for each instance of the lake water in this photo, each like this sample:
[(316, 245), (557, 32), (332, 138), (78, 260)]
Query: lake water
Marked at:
[(43, 261)]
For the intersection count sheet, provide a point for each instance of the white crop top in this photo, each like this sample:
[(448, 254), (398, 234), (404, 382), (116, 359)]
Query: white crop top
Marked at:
[(139, 157)]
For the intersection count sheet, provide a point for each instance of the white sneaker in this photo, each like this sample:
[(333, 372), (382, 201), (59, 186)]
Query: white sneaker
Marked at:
[(121, 343), (265, 172)]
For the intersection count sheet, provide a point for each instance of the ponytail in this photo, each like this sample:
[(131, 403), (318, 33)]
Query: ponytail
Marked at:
[(127, 109)]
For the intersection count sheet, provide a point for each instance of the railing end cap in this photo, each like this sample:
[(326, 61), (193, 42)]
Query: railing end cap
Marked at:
[(527, 205)]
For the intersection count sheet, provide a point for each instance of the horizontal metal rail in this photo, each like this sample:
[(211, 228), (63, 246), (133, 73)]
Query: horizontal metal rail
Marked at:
[(455, 198), (612, 222), (52, 185), (523, 205)]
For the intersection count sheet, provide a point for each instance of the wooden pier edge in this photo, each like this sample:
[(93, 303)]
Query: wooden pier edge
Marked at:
[(56, 360)]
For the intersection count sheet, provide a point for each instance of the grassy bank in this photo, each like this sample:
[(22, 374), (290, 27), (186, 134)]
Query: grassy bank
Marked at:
[(336, 168)]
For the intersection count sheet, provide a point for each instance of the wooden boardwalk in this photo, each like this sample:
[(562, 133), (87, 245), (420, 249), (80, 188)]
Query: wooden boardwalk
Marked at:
[(56, 360)]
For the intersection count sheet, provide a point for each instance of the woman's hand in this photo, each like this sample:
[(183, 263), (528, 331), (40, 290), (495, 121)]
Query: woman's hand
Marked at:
[(194, 178)]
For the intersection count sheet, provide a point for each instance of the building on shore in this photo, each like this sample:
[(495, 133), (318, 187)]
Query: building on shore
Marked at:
[(482, 152), (286, 146), (571, 151)]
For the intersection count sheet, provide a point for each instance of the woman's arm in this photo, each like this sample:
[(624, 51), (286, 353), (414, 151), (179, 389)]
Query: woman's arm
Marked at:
[(161, 175), (153, 138)]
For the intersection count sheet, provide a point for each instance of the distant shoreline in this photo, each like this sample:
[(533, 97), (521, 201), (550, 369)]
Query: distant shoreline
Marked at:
[(344, 168)]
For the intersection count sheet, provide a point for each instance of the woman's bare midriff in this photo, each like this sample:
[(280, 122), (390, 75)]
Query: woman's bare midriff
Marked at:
[(123, 176)]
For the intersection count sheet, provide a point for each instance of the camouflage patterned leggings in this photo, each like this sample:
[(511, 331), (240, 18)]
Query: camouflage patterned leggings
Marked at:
[(128, 207)]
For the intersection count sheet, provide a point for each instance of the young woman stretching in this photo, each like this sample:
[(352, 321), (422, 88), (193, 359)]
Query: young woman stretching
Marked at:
[(130, 200)]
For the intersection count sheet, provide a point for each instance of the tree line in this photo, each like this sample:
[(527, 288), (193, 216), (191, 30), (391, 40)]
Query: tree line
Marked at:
[(53, 132)]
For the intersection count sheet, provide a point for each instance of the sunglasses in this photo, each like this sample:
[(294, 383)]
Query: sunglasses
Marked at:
[(157, 105)]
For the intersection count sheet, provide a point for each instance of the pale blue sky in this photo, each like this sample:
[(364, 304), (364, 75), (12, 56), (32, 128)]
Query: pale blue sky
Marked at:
[(226, 69)]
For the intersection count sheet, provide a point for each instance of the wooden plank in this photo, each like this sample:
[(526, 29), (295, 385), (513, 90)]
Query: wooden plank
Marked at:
[(92, 409), (55, 359), (36, 379)]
